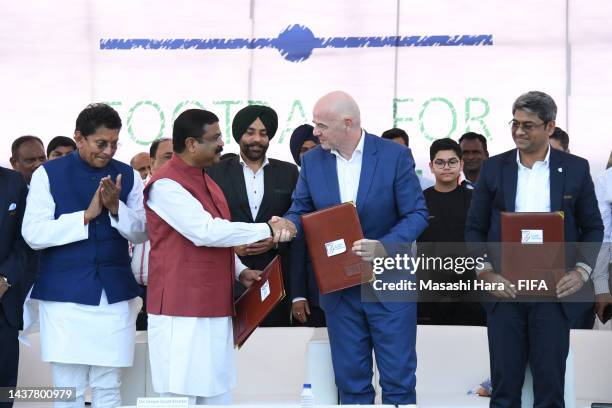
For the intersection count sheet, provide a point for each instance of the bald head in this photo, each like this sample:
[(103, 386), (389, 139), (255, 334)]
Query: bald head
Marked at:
[(337, 122), (340, 106), (141, 162)]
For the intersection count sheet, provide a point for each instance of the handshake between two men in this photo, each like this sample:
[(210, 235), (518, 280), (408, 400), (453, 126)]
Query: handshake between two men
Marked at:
[(284, 230)]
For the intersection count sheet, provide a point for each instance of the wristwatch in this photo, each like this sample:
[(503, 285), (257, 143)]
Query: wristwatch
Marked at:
[(583, 273)]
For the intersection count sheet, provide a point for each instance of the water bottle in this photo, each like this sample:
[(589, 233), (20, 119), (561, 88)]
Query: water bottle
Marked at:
[(306, 397)]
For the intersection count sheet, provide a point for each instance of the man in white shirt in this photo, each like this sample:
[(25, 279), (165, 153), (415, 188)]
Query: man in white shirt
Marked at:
[(601, 275), (81, 211), (257, 188), (534, 178), (378, 176)]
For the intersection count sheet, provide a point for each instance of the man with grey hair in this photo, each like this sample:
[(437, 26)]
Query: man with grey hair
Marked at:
[(534, 178), (378, 176)]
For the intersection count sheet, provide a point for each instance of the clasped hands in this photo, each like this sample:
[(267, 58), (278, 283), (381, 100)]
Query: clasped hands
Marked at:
[(570, 283), (106, 196), (283, 229)]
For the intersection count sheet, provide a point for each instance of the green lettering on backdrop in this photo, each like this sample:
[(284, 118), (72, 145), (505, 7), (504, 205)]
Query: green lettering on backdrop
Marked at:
[(476, 112), (480, 118), (181, 105), (256, 102), (290, 124), (228, 115), (396, 118), (422, 122), (162, 122)]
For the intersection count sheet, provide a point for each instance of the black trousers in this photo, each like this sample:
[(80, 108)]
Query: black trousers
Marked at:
[(534, 332), (9, 355)]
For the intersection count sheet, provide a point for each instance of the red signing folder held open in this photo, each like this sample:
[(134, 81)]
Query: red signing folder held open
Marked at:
[(257, 301), (330, 234)]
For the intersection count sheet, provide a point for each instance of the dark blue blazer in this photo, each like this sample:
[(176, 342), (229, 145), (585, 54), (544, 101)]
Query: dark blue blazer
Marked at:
[(571, 191), (14, 252), (390, 202)]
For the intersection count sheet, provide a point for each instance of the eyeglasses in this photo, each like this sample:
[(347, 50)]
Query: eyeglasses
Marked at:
[(440, 164), (526, 126)]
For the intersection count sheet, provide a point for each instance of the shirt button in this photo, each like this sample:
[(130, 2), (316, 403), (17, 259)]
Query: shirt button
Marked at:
[(93, 178)]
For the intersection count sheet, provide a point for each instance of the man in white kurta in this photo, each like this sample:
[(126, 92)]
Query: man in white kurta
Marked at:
[(192, 266), (87, 318)]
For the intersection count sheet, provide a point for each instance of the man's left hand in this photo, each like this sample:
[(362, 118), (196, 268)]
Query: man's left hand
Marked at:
[(260, 247), (109, 192), (368, 249), (569, 284), (249, 276)]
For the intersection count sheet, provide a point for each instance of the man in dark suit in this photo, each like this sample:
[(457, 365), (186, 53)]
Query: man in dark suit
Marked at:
[(534, 178), (258, 188), (378, 176), (14, 274)]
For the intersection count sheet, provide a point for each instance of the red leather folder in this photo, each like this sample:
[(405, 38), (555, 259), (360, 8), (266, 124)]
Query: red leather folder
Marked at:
[(257, 301), (330, 234), (533, 250)]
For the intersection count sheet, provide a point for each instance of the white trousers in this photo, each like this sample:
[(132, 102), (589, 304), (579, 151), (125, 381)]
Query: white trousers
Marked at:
[(105, 383), (221, 399)]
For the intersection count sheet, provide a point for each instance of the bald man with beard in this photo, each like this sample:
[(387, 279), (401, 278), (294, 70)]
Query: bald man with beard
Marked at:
[(378, 176)]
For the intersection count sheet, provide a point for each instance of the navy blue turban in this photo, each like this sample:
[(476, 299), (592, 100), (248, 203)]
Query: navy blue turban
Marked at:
[(301, 134)]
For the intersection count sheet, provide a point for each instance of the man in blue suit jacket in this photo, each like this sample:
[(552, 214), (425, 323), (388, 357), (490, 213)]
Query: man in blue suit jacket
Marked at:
[(14, 273), (378, 175), (534, 178)]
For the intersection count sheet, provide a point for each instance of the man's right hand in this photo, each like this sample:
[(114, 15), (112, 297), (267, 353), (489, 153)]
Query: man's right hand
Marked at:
[(95, 207), (300, 311), (240, 250), (284, 230), (601, 301), (509, 291)]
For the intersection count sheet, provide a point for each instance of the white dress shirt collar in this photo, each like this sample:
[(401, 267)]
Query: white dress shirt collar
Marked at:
[(544, 162), (244, 164), (358, 149)]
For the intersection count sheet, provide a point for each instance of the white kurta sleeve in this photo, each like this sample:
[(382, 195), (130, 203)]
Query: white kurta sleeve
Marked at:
[(239, 267), (131, 218), (185, 214), (40, 229)]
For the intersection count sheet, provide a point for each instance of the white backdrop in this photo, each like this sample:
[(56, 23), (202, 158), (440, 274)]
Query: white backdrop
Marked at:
[(55, 58)]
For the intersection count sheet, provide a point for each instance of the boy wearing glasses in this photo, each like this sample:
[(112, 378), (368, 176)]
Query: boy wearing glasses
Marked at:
[(448, 203)]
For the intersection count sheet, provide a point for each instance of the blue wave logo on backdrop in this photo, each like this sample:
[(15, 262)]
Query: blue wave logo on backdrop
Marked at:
[(296, 43)]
